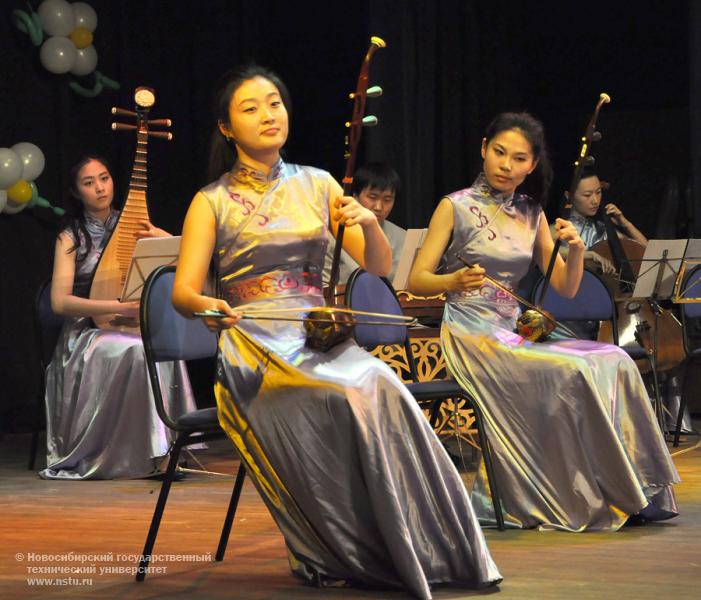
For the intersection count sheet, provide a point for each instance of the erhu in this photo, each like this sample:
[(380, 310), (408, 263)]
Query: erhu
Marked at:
[(328, 326), (535, 324), (111, 271)]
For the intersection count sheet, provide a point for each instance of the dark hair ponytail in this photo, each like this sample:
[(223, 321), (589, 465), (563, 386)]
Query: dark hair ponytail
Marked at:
[(222, 153), (537, 184)]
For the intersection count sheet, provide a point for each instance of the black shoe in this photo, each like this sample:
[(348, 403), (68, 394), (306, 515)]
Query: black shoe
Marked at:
[(179, 476)]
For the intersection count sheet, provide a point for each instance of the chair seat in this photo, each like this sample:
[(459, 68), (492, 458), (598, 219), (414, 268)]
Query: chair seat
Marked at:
[(438, 388), (203, 418), (635, 352)]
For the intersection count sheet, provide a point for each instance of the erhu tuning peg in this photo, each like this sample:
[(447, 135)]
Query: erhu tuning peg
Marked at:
[(372, 92)]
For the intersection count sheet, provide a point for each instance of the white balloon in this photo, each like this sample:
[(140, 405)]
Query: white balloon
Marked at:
[(56, 17), (84, 16), (12, 209), (33, 160), (58, 54), (85, 61), (10, 168), (3, 199)]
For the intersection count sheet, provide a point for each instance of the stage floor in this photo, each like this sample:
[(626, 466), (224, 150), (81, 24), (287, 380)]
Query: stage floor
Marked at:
[(103, 524)]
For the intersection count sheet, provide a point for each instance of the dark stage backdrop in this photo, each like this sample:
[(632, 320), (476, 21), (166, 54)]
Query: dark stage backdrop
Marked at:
[(449, 67)]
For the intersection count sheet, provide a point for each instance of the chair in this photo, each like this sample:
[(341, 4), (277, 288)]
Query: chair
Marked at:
[(594, 302), (168, 336), (375, 294), (690, 312), (47, 327)]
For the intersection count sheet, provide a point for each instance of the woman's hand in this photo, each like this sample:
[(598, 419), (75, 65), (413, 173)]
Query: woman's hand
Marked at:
[(350, 212), (605, 264), (616, 215), (466, 279), (565, 231), (146, 229), (221, 323), (128, 309)]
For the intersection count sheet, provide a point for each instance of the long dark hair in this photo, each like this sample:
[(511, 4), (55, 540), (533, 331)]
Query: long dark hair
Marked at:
[(537, 184), (74, 217), (222, 153)]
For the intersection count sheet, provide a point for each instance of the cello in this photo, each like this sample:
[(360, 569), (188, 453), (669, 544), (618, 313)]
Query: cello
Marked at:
[(113, 265), (641, 321)]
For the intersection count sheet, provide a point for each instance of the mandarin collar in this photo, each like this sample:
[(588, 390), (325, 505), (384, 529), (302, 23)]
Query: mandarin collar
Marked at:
[(256, 179), (482, 186), (95, 226)]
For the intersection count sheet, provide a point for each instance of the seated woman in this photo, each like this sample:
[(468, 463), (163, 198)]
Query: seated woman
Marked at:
[(574, 439), (586, 205), (101, 420), (340, 452)]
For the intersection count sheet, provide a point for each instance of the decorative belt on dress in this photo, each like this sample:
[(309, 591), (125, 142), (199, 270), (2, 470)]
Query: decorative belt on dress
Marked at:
[(270, 285)]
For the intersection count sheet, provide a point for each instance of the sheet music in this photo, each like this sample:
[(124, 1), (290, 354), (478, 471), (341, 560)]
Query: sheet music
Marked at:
[(149, 253), (664, 255), (412, 242)]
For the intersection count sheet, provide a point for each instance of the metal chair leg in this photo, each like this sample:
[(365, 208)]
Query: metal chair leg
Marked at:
[(33, 450), (231, 513), (682, 407), (487, 456), (160, 505)]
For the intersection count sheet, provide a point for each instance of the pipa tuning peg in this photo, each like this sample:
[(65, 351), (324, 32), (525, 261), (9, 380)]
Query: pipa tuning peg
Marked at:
[(164, 135), (596, 136), (123, 111), (122, 126), (160, 122), (374, 92)]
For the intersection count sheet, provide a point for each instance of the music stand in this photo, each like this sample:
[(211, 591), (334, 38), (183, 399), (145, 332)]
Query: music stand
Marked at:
[(682, 296), (149, 253), (658, 274), (412, 242), (691, 257)]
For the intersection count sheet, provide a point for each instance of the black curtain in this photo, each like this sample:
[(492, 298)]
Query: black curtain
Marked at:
[(449, 67)]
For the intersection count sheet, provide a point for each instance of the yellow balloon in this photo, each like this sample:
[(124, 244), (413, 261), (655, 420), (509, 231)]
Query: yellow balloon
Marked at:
[(20, 192), (81, 37)]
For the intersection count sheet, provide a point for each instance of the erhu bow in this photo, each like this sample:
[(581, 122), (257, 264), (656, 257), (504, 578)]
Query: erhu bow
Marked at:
[(533, 324)]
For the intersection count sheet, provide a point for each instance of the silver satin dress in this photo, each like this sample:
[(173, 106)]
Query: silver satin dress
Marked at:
[(101, 420), (575, 441), (349, 467)]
